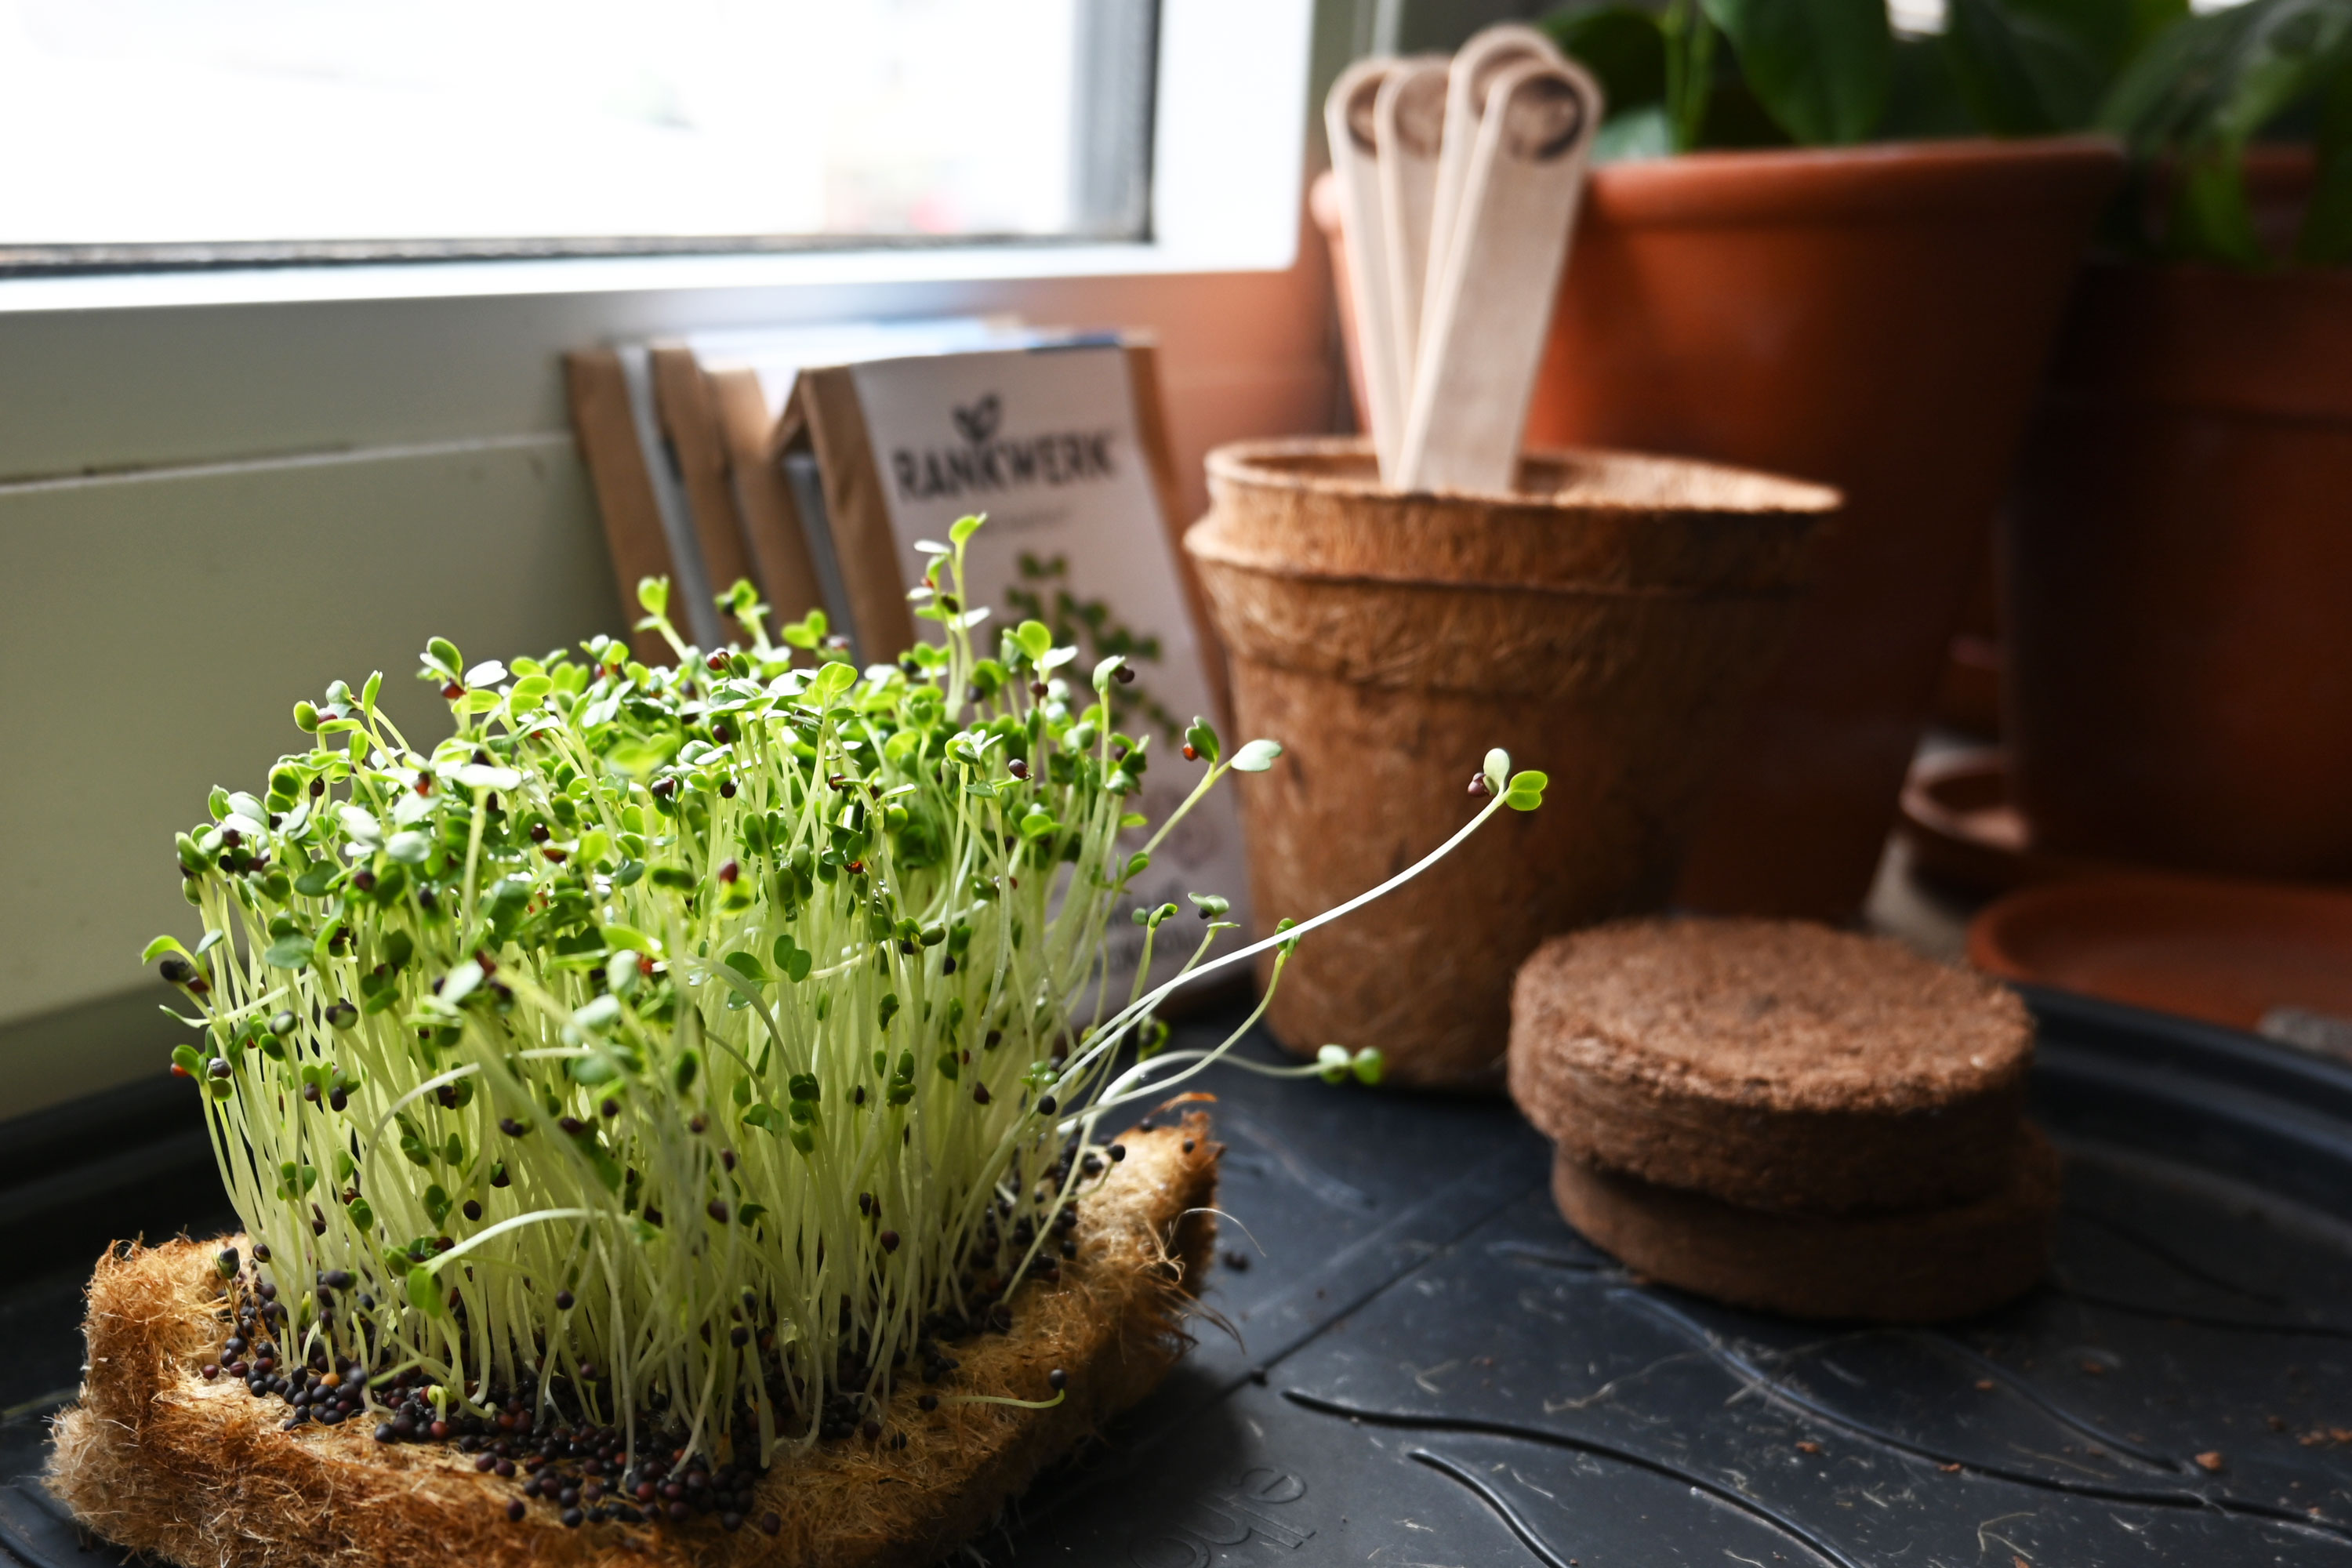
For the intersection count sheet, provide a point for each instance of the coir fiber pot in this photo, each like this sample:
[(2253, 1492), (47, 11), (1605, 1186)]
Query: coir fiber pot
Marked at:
[(2179, 576), (1874, 317), (1601, 624)]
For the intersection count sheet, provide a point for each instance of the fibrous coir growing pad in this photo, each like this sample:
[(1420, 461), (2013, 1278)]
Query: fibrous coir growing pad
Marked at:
[(1921, 1266), (1772, 1065), (156, 1459)]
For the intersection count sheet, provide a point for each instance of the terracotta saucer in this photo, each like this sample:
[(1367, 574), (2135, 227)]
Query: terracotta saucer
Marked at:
[(2238, 954), (1965, 832)]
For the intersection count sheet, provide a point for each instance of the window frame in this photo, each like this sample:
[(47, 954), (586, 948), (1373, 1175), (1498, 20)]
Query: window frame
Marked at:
[(1227, 159)]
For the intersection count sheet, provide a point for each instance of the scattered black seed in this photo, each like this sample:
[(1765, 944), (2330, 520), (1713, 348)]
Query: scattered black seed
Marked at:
[(516, 1509), (1057, 1380), (1117, 1151)]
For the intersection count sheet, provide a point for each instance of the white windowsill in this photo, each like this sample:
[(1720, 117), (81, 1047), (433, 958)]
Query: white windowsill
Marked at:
[(620, 273)]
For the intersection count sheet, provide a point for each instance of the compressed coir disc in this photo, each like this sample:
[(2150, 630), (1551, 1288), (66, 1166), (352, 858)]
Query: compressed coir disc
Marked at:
[(1924, 1267), (1772, 1064)]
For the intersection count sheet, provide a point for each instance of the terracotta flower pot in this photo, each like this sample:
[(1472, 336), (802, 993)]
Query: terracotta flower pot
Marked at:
[(1874, 317), (1602, 626), (2179, 576)]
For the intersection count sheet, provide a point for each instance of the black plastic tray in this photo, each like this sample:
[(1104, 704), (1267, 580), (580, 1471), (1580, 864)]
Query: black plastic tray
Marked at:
[(1433, 1369)]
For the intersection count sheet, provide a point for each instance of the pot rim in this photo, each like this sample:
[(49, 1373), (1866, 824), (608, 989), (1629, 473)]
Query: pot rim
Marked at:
[(1244, 463), (1885, 181), (2212, 276), (1203, 541), (1733, 187)]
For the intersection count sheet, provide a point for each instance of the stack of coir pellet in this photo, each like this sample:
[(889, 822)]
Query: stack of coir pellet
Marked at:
[(1786, 1117)]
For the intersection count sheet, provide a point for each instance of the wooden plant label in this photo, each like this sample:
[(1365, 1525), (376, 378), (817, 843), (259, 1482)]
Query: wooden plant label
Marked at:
[(1349, 124), (1473, 67), (1483, 336), (1409, 130)]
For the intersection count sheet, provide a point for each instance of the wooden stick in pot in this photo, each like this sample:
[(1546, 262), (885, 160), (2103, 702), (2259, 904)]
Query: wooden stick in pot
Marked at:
[(1486, 321), (1409, 130), (1474, 66), (1347, 123)]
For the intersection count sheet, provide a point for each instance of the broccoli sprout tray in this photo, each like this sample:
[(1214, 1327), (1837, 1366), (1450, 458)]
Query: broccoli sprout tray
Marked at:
[(1439, 1371)]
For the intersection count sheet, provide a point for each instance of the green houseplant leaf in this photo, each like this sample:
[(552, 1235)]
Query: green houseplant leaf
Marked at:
[(1828, 73), (2327, 238), (1821, 69), (2032, 66), (1622, 48), (2201, 93), (2019, 75)]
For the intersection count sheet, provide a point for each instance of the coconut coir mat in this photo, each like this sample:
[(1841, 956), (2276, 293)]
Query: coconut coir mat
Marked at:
[(156, 1459)]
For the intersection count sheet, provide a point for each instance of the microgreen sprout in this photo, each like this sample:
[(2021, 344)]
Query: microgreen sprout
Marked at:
[(688, 1046)]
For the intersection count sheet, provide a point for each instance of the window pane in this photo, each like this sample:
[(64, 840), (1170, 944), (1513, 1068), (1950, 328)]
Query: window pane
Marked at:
[(195, 122)]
